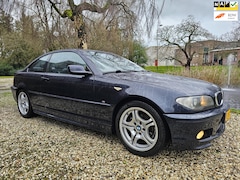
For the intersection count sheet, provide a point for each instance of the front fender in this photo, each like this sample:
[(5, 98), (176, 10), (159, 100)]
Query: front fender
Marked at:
[(164, 99)]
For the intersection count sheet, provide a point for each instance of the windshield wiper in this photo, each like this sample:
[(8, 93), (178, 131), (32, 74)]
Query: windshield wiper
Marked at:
[(117, 71), (128, 71)]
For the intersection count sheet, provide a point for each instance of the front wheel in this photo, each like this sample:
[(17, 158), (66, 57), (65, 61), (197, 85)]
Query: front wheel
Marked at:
[(24, 105), (140, 128)]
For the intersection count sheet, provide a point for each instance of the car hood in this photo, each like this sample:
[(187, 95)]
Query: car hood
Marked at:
[(182, 85)]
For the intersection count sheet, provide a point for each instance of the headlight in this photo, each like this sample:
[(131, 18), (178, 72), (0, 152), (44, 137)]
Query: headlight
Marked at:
[(196, 102)]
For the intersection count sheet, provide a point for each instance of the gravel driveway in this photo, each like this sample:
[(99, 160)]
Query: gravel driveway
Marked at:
[(41, 148)]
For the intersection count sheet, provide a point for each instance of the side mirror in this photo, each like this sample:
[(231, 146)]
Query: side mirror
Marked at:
[(78, 69)]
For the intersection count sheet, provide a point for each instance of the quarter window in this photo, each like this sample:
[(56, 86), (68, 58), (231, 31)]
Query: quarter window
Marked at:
[(39, 65), (59, 62)]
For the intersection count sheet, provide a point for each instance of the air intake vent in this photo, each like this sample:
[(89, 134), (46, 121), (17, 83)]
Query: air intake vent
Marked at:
[(219, 98)]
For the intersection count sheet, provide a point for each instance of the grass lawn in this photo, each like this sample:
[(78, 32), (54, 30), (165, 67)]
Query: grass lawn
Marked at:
[(6, 82), (215, 74)]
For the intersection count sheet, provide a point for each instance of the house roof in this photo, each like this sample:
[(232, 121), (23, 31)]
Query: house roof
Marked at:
[(225, 49)]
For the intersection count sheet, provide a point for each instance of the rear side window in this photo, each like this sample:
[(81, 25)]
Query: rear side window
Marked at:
[(59, 62), (39, 65)]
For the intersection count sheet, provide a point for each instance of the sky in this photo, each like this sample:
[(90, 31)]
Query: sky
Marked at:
[(175, 11), (203, 10)]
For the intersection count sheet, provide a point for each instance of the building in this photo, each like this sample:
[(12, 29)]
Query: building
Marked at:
[(209, 52), (162, 54), (225, 56)]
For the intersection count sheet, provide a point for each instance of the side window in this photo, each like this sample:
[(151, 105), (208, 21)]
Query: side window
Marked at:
[(39, 65), (59, 62)]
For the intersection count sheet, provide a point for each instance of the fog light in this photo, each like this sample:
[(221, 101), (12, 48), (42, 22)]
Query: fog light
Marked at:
[(200, 135)]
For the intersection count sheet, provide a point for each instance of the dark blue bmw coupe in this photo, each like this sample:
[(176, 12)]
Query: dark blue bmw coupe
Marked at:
[(108, 93)]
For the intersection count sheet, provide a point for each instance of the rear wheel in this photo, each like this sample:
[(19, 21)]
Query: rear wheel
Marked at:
[(140, 128), (24, 105)]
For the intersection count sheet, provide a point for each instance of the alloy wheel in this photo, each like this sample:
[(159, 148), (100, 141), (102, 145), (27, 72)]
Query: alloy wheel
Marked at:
[(138, 129)]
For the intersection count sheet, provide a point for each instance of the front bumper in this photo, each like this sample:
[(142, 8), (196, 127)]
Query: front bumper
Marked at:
[(185, 127)]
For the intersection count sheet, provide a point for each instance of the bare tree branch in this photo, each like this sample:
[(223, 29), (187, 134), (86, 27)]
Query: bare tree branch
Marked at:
[(182, 36), (53, 5)]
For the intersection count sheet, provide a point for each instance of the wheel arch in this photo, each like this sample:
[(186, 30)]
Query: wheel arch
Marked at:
[(142, 99), (21, 87), (27, 103)]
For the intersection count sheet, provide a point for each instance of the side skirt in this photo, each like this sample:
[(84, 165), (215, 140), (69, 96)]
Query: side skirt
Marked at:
[(89, 123)]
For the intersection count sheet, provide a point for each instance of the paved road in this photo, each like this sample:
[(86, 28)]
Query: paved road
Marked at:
[(232, 97)]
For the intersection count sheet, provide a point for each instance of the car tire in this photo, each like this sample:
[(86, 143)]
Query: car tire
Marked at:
[(24, 105), (140, 128)]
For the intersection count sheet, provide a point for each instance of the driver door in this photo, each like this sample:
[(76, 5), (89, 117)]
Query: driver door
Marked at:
[(67, 94)]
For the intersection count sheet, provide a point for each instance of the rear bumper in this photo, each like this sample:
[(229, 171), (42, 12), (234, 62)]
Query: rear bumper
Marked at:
[(14, 92), (185, 127)]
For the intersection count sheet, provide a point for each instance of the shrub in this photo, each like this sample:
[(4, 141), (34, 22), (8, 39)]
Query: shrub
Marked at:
[(6, 70)]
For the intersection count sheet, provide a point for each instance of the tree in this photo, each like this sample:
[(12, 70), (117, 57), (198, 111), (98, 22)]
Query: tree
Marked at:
[(44, 15), (18, 42), (7, 6), (125, 13), (233, 35), (182, 36), (106, 39), (5, 22), (22, 55), (28, 28), (6, 27), (138, 53)]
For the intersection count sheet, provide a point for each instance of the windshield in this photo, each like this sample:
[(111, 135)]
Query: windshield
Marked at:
[(111, 63)]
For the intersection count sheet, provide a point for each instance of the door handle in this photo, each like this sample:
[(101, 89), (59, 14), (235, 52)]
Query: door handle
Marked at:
[(45, 78)]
